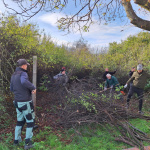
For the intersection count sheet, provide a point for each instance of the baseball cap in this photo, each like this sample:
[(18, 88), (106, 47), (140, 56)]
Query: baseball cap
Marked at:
[(64, 68), (21, 62)]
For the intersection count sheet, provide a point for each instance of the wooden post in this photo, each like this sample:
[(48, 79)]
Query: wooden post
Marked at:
[(34, 79)]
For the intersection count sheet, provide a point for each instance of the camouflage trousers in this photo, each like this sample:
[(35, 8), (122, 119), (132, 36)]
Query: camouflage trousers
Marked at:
[(25, 114)]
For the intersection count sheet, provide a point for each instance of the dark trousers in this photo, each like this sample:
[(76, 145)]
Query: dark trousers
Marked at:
[(139, 92)]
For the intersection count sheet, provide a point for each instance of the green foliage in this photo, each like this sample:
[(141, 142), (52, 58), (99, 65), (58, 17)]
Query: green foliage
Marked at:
[(22, 40), (44, 81), (85, 137), (3, 147), (3, 114), (85, 101), (147, 86)]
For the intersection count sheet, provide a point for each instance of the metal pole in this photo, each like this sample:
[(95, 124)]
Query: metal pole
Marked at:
[(34, 79)]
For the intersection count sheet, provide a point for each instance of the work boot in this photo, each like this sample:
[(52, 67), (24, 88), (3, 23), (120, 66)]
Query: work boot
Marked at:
[(140, 112), (28, 145), (16, 142)]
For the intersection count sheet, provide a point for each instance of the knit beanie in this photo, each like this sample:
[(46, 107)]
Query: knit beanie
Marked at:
[(139, 67)]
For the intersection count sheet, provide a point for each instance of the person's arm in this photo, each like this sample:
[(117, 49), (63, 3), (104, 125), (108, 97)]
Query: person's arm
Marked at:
[(112, 72), (55, 77), (115, 81), (131, 79), (25, 82)]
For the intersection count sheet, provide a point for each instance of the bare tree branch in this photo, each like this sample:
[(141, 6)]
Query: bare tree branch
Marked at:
[(143, 3), (89, 12)]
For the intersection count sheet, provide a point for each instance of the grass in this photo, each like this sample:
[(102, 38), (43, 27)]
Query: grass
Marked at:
[(92, 137), (87, 137)]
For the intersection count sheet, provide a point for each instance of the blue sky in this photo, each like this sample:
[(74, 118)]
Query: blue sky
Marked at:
[(98, 35)]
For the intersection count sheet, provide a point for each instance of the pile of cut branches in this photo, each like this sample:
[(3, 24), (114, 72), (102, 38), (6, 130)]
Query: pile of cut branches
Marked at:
[(92, 106)]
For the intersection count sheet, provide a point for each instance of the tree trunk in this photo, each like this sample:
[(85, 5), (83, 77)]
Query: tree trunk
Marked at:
[(134, 19)]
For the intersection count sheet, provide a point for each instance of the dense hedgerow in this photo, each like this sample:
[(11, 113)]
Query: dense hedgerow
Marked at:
[(22, 40)]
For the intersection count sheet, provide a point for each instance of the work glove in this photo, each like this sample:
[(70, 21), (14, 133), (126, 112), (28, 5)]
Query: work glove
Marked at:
[(125, 86), (105, 88)]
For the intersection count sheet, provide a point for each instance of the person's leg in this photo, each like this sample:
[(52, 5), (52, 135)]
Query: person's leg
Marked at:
[(30, 117), (140, 98), (130, 93), (20, 123)]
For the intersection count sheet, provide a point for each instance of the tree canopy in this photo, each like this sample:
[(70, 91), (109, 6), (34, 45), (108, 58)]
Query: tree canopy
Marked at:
[(104, 10)]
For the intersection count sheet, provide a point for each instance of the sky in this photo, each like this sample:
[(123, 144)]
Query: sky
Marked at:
[(98, 35)]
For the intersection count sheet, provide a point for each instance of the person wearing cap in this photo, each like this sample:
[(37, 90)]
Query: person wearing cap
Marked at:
[(64, 68), (61, 80), (138, 79), (23, 89), (107, 72)]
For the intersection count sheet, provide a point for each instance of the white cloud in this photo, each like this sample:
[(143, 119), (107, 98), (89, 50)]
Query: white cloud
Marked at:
[(98, 35), (51, 18)]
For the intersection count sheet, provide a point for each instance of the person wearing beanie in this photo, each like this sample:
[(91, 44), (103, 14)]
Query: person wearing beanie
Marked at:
[(139, 80), (23, 90)]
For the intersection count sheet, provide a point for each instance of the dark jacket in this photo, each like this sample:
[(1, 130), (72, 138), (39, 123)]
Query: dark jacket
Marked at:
[(111, 82), (21, 86), (139, 79), (106, 72), (130, 73)]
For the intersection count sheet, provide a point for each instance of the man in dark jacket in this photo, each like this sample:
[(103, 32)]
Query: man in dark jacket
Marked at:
[(131, 71), (139, 79), (23, 89), (107, 72)]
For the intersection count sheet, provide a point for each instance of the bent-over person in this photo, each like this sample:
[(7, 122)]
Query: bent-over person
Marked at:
[(112, 83)]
